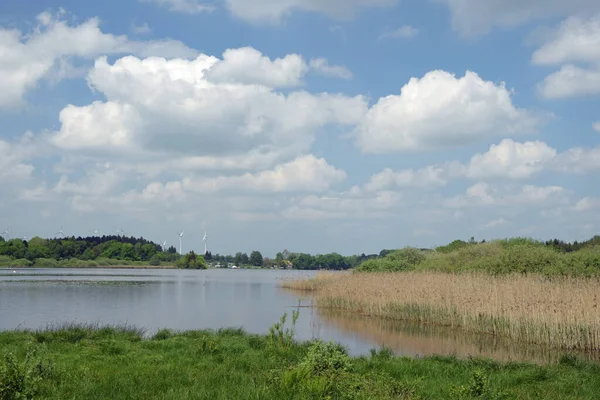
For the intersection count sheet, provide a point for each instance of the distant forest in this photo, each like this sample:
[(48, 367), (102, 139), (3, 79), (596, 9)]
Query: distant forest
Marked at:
[(115, 249)]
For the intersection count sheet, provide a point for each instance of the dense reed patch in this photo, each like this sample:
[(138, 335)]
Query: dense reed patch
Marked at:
[(561, 312), (86, 362)]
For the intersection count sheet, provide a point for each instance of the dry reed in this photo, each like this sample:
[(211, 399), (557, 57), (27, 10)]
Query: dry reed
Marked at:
[(561, 312)]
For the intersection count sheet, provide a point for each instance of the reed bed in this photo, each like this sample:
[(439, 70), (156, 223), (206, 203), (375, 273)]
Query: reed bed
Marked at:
[(561, 312)]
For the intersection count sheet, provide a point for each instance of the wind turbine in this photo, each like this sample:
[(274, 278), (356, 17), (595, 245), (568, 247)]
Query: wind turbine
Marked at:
[(164, 246), (205, 240), (180, 246), (6, 233), (95, 232), (119, 232), (60, 232)]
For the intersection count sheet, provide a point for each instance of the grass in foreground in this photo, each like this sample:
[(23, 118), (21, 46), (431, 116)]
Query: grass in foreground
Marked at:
[(560, 312), (86, 362)]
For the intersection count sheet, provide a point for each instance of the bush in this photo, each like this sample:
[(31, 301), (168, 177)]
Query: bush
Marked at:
[(6, 261), (46, 263), (20, 263), (21, 380), (400, 260), (326, 358), (154, 261)]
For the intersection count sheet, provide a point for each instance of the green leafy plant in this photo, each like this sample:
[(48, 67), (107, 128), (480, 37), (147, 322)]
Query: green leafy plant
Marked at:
[(281, 337), (22, 379)]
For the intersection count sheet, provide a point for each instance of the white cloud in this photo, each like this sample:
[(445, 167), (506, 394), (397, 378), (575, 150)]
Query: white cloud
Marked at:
[(342, 206), (596, 126), (260, 11), (404, 32), (182, 6), (142, 29), (496, 223), (304, 174), (575, 40), (578, 160), (440, 110), (570, 81), (436, 175), (484, 194), (510, 159), (471, 17), (158, 108), (321, 66), (79, 129), (586, 204), (248, 66), (13, 163), (26, 59)]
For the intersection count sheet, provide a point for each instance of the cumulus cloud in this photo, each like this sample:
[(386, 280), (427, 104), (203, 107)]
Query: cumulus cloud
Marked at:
[(261, 11), (570, 81), (586, 204), (182, 6), (321, 66), (14, 164), (596, 126), (431, 176), (510, 159), (304, 174), (441, 110), (404, 32), (163, 107), (249, 66), (342, 206), (484, 194), (578, 160), (575, 40), (472, 17), (142, 29), (28, 58)]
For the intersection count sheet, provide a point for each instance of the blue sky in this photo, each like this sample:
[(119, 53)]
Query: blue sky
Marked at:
[(315, 126)]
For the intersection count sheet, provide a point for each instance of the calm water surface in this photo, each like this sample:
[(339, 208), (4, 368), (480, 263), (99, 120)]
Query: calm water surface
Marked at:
[(211, 299)]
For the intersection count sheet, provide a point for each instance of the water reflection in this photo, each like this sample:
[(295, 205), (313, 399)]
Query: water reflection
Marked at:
[(410, 339)]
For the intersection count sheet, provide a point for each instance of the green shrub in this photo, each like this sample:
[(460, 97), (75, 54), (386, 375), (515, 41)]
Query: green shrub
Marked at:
[(400, 260), (154, 261), (46, 263), (22, 379), (21, 263), (326, 358), (6, 261)]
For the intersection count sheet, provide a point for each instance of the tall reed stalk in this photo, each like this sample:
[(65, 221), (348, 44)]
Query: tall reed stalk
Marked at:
[(561, 312)]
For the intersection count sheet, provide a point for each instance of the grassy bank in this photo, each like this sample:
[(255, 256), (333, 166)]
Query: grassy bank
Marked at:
[(8, 262), (117, 363), (561, 312), (522, 256)]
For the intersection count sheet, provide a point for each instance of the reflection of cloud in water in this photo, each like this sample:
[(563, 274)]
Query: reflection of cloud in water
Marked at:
[(410, 339)]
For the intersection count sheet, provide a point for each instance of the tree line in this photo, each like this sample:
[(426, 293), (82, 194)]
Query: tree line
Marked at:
[(88, 249)]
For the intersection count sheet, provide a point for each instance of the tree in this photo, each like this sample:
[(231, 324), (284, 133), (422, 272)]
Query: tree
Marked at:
[(256, 259), (191, 261), (245, 259), (279, 256), (237, 260)]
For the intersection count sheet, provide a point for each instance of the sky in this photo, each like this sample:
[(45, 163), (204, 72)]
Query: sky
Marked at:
[(316, 126)]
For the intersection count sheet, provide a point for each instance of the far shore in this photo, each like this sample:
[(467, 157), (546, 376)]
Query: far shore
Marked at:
[(100, 266)]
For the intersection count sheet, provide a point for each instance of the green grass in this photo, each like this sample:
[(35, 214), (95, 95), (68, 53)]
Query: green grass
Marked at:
[(92, 362), (508, 256)]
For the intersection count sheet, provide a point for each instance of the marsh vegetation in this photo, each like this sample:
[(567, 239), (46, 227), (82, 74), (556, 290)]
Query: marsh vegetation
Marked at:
[(94, 362)]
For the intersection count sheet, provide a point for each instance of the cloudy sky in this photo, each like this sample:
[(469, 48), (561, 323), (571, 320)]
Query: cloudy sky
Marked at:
[(311, 125)]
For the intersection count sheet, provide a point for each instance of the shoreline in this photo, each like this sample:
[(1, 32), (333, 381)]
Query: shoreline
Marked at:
[(95, 362), (558, 313)]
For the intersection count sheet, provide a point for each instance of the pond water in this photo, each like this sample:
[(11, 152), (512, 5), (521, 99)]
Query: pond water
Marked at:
[(212, 299)]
